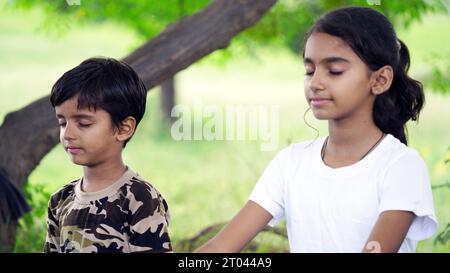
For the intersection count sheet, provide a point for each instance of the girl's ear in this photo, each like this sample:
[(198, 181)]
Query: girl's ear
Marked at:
[(382, 80), (126, 129)]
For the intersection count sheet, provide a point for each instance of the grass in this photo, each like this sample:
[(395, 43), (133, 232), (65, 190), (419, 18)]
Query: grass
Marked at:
[(204, 182)]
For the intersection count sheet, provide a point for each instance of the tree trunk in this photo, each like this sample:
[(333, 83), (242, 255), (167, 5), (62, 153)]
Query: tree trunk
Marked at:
[(28, 134), (168, 99), (7, 235)]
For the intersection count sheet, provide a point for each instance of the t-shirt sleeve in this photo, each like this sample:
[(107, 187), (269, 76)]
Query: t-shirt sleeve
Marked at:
[(149, 221), (406, 186), (52, 238), (269, 190)]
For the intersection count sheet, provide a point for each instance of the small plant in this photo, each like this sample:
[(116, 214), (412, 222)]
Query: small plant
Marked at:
[(32, 227)]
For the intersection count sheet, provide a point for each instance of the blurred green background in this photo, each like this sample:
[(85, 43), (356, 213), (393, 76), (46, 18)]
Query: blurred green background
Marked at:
[(204, 182)]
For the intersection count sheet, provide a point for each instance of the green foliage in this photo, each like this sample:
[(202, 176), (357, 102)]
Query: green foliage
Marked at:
[(443, 238), (32, 227), (399, 12), (440, 76), (147, 18), (285, 23)]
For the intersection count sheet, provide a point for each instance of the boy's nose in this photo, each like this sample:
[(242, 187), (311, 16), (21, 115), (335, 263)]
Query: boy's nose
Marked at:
[(67, 133)]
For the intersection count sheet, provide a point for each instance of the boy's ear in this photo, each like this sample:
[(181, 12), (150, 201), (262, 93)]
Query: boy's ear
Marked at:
[(126, 129), (382, 80)]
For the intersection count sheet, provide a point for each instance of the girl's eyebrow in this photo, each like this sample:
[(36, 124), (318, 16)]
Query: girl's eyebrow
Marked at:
[(327, 60)]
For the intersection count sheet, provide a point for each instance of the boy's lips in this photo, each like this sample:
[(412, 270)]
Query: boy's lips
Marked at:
[(73, 150)]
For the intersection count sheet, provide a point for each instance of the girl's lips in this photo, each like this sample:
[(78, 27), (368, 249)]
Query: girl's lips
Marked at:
[(317, 102)]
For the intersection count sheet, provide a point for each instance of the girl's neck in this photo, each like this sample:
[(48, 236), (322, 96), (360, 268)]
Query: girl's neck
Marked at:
[(349, 141), (101, 176), (347, 132)]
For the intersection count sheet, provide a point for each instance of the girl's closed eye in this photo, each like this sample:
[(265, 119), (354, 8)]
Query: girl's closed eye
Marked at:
[(309, 71), (332, 72), (336, 68), (336, 72)]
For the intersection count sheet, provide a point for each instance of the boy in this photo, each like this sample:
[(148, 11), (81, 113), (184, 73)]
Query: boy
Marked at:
[(98, 105)]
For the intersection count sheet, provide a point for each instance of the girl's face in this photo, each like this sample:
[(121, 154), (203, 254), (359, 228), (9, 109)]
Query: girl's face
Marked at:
[(337, 81)]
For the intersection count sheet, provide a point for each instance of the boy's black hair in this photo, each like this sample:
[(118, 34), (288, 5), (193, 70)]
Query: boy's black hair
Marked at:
[(372, 37), (103, 83)]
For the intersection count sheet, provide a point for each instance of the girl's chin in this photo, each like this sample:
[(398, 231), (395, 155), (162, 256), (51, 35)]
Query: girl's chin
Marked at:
[(321, 115)]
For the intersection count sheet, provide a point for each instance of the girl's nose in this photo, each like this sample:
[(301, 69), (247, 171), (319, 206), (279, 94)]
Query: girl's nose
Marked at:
[(316, 83)]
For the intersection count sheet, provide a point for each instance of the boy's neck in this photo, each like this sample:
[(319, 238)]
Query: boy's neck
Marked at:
[(101, 176)]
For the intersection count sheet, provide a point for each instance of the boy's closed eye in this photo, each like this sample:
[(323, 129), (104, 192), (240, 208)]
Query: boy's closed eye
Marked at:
[(62, 122), (84, 123), (81, 123)]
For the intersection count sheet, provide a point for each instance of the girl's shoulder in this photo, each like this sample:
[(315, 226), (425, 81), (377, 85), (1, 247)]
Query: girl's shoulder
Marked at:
[(305, 147), (396, 152), (390, 151), (296, 152)]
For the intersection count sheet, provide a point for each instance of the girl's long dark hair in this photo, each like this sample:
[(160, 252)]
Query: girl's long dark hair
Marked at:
[(372, 37)]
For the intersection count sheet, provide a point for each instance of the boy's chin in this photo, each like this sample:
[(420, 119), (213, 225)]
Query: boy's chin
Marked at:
[(78, 161)]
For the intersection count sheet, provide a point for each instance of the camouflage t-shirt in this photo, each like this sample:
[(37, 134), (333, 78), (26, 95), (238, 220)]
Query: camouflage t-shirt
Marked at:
[(128, 216)]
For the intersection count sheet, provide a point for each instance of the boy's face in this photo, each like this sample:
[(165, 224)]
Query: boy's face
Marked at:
[(87, 136)]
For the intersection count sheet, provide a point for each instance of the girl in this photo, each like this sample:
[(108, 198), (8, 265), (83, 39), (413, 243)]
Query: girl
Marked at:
[(361, 188)]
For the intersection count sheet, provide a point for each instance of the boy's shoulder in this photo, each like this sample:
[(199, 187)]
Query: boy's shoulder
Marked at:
[(138, 183), (142, 195), (133, 188), (63, 193), (140, 189)]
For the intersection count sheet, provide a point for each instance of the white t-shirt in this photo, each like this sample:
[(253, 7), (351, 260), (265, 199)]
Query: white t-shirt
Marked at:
[(334, 210)]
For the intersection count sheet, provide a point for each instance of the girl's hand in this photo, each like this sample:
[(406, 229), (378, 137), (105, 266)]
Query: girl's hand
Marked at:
[(389, 231), (240, 231)]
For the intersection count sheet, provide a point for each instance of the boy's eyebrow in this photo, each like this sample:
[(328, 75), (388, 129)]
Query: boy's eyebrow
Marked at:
[(327, 60), (77, 116)]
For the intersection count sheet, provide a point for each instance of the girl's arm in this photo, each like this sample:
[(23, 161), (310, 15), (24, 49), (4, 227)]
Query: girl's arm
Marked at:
[(241, 230), (389, 231)]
